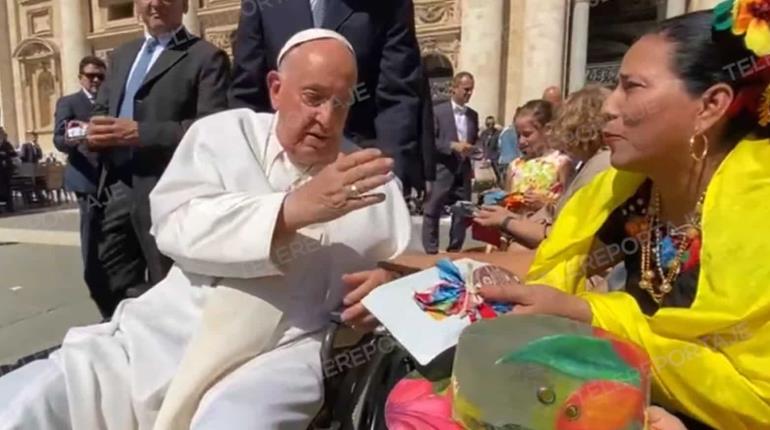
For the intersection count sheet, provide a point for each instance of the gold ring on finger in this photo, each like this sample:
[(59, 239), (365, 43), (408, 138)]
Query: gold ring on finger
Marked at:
[(353, 192)]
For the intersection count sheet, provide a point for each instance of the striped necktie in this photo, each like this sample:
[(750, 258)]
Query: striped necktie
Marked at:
[(136, 78), (319, 8)]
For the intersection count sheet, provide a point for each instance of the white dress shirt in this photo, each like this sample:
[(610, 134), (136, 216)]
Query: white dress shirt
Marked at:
[(91, 97), (461, 121)]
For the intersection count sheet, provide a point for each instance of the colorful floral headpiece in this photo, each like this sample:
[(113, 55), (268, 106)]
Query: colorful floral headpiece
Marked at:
[(750, 19), (747, 18)]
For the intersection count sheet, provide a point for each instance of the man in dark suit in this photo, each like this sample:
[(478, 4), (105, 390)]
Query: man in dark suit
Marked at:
[(7, 155), (457, 129), (81, 175), (31, 152), (386, 103), (157, 86), (417, 180)]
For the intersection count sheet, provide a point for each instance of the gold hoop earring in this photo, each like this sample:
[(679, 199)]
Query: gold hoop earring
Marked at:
[(703, 153)]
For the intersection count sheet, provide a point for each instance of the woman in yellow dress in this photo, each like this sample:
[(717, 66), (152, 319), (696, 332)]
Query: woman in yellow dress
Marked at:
[(686, 206)]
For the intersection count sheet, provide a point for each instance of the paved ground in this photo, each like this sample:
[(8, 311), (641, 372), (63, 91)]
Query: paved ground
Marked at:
[(41, 289), (42, 293)]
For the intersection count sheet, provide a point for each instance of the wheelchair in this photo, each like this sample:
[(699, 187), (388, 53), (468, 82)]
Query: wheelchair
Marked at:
[(358, 378)]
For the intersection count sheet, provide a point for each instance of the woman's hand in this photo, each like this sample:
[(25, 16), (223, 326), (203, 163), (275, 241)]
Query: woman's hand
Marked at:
[(359, 285), (659, 419), (539, 299), (492, 216), (338, 189)]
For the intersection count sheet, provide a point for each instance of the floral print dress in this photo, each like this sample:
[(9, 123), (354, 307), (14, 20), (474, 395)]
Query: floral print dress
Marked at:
[(538, 176)]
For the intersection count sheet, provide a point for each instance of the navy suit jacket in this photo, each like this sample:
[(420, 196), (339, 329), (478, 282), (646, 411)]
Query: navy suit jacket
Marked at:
[(446, 133), (388, 100), (189, 80), (82, 172)]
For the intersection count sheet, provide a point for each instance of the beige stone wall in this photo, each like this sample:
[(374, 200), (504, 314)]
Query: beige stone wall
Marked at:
[(695, 5)]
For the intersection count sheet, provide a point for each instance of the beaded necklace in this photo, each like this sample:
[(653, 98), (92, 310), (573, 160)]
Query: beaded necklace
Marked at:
[(692, 231)]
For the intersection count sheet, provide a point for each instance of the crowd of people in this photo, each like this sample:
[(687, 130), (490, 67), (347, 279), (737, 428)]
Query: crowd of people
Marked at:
[(227, 212), (12, 158)]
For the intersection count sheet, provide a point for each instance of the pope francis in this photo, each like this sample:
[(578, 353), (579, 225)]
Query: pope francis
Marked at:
[(272, 221)]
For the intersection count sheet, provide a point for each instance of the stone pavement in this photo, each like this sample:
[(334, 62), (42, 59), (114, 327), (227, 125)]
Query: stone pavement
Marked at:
[(42, 293)]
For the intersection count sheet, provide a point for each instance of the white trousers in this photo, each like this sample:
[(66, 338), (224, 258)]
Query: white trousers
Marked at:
[(114, 376), (277, 390)]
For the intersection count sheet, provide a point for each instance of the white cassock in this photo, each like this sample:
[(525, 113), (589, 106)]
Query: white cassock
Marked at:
[(231, 338)]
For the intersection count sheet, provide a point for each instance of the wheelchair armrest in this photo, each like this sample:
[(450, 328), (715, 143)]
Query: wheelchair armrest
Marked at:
[(327, 345), (336, 317)]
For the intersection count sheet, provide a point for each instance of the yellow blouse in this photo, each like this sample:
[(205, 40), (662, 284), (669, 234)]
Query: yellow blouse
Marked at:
[(712, 360)]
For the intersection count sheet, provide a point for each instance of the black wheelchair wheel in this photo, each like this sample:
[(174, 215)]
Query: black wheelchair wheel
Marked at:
[(355, 396)]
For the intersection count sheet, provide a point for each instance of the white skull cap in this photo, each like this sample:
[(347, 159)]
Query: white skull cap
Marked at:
[(309, 35)]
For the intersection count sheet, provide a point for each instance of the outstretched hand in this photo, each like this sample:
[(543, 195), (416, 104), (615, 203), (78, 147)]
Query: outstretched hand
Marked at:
[(340, 188), (359, 285), (539, 299)]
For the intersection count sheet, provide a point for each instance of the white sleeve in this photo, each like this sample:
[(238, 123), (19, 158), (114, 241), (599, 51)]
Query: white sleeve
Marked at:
[(204, 227)]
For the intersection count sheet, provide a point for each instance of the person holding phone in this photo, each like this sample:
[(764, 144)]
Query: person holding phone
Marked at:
[(457, 129), (81, 175)]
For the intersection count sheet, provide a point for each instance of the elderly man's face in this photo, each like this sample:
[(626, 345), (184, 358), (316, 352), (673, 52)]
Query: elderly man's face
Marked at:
[(313, 93), (161, 16)]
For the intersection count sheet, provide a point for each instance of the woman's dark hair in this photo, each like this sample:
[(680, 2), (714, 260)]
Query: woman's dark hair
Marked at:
[(703, 57), (542, 110)]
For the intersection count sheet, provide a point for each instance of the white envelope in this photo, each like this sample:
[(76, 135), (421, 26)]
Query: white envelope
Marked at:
[(424, 337)]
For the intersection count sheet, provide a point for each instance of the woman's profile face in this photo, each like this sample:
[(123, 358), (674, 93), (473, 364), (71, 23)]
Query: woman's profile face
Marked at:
[(651, 117), (532, 140)]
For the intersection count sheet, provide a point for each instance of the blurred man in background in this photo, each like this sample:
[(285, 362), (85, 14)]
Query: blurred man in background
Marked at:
[(7, 167), (553, 95), (31, 152), (81, 175), (508, 144), (457, 129), (489, 140)]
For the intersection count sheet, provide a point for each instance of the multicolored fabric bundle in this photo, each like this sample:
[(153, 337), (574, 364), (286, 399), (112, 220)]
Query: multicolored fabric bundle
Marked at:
[(458, 295)]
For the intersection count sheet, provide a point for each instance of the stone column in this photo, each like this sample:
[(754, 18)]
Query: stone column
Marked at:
[(7, 99), (543, 51), (190, 19), (481, 52), (696, 5), (579, 44), (74, 45), (675, 8)]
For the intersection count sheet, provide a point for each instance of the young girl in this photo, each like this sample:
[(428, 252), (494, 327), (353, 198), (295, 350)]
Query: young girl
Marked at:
[(541, 173)]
